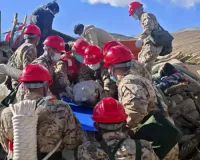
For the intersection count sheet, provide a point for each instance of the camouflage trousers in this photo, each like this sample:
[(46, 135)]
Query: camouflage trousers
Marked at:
[(148, 55)]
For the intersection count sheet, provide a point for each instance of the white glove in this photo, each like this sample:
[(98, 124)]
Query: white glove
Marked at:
[(26, 107), (138, 43)]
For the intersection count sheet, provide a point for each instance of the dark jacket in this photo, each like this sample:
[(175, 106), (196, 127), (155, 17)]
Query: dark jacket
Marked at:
[(43, 18)]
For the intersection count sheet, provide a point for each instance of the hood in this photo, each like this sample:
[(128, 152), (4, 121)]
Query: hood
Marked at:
[(138, 69)]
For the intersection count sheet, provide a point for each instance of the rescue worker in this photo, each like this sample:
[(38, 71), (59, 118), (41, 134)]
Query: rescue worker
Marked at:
[(54, 47), (94, 71), (72, 61), (110, 119), (43, 17), (27, 52), (136, 91), (149, 51), (93, 35), (56, 120)]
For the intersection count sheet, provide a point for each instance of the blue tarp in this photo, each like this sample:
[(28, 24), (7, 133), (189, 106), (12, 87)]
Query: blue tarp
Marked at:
[(83, 114)]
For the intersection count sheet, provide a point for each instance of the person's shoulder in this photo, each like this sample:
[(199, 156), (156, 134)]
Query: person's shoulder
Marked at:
[(53, 103), (147, 15)]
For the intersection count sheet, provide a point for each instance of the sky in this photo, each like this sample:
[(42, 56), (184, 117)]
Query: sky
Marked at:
[(111, 15)]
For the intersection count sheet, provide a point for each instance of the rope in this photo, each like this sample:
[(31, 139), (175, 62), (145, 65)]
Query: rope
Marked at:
[(24, 130)]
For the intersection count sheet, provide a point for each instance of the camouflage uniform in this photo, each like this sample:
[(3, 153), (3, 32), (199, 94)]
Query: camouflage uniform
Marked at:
[(108, 85), (56, 121), (92, 150), (136, 93), (24, 55), (149, 52), (61, 77), (58, 72)]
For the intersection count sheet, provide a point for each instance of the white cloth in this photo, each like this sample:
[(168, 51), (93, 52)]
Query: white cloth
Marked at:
[(138, 43), (84, 91)]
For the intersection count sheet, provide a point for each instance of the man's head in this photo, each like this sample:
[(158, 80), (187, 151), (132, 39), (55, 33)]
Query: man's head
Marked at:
[(118, 61), (55, 47), (136, 10), (78, 29), (36, 78), (109, 115), (54, 7), (78, 49), (32, 34), (92, 57)]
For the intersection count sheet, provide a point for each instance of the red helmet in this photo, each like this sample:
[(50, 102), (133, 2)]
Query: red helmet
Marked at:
[(93, 54), (118, 54), (108, 45), (109, 110), (80, 45), (32, 29), (35, 73), (133, 6), (55, 42)]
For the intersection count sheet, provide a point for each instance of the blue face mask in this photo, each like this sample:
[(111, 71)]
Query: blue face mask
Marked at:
[(79, 58), (113, 79)]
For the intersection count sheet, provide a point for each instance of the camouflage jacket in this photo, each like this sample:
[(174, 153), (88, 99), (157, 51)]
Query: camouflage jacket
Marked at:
[(92, 150), (58, 72), (45, 60), (149, 23), (137, 94), (24, 55), (56, 121)]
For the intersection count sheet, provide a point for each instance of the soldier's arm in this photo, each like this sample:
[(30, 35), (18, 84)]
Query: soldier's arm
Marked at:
[(92, 37), (109, 86), (85, 74), (6, 128), (29, 55), (61, 74), (134, 99), (72, 134), (148, 22)]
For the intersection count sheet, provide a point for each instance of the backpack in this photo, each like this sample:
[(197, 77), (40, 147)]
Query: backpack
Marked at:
[(111, 154), (161, 37), (156, 128)]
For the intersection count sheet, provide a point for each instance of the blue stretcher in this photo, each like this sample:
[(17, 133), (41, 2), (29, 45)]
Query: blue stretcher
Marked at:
[(83, 114)]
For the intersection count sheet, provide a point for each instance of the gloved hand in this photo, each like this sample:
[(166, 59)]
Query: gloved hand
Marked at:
[(69, 92), (138, 43)]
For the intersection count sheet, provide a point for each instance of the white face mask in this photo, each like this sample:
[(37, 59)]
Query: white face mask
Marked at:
[(94, 67), (56, 57), (135, 16)]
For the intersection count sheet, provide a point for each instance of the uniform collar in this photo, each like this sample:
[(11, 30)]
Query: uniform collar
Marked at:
[(113, 135)]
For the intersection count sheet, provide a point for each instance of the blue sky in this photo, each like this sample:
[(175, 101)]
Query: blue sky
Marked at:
[(112, 15)]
